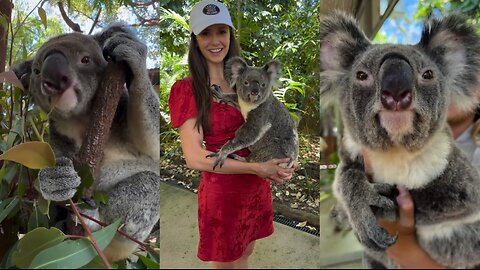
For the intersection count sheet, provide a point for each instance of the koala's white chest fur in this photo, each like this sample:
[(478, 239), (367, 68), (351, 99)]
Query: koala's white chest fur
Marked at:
[(445, 229), (73, 129), (411, 169), (246, 107)]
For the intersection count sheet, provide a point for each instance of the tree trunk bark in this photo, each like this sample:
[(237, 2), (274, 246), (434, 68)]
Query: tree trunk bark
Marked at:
[(6, 12)]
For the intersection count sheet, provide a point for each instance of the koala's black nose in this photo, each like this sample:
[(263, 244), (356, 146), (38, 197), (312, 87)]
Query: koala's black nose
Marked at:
[(396, 84), (254, 87), (55, 73)]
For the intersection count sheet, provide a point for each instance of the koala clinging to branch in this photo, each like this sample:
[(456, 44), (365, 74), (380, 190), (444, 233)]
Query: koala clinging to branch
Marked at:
[(269, 130), (65, 74), (393, 100)]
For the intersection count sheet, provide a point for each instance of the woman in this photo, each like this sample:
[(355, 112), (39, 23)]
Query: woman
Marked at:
[(234, 201)]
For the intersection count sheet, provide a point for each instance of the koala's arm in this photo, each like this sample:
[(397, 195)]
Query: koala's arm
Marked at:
[(59, 183), (357, 196), (143, 110), (224, 97), (255, 127)]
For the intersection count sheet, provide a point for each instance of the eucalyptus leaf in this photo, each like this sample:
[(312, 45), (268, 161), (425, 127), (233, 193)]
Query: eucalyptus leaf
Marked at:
[(7, 206), (10, 77), (43, 16), (149, 263), (37, 219), (35, 242), (74, 253), (7, 262), (34, 155)]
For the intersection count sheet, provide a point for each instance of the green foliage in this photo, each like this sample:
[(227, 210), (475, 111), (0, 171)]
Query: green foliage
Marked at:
[(46, 248), (73, 253), (469, 8)]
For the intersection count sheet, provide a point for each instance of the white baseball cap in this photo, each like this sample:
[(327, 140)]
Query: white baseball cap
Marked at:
[(206, 13)]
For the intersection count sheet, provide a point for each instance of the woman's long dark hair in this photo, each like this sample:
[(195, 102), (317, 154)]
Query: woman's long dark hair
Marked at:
[(201, 80)]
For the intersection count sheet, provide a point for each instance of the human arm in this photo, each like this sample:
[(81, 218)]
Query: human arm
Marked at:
[(407, 252), (195, 156)]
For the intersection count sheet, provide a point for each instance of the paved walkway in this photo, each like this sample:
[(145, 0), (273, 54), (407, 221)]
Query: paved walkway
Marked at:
[(286, 248)]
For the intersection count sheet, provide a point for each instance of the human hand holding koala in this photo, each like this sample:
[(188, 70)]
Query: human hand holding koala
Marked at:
[(393, 100)]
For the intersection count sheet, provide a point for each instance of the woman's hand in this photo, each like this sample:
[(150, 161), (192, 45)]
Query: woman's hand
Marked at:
[(406, 252), (271, 171)]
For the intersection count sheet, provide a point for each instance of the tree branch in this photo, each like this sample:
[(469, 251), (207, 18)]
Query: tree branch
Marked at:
[(103, 224), (103, 111), (95, 21), (90, 236), (74, 26)]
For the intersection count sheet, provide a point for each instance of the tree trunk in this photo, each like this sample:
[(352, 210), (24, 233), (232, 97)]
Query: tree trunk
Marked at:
[(6, 12)]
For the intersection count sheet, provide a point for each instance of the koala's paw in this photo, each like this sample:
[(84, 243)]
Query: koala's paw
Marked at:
[(382, 197), (371, 235), (221, 156), (59, 183), (217, 93), (125, 47), (340, 217), (386, 206)]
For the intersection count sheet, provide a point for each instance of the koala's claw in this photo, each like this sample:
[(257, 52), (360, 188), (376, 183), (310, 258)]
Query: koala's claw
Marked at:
[(212, 155), (59, 183), (124, 47), (217, 162), (374, 237)]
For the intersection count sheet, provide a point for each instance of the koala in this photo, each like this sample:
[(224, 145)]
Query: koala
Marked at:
[(269, 130), (63, 78), (393, 101)]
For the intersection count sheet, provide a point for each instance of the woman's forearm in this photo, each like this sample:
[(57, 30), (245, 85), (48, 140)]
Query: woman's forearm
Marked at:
[(199, 161)]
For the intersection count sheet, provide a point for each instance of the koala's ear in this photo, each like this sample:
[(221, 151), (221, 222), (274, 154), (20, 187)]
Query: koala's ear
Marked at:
[(340, 42), (233, 68), (274, 69), (455, 47), (111, 30), (23, 71)]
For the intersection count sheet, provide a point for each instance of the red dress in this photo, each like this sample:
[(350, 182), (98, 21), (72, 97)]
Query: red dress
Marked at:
[(233, 209)]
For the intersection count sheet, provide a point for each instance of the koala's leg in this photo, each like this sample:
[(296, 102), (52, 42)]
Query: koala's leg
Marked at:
[(357, 195), (143, 112), (340, 217), (136, 201)]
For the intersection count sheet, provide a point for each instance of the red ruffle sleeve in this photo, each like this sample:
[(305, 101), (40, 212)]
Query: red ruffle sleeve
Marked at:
[(181, 102)]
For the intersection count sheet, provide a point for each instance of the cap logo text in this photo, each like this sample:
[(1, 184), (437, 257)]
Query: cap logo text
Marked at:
[(211, 9)]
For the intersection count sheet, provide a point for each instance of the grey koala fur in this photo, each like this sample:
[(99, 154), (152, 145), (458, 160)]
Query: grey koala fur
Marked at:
[(393, 100), (269, 130), (69, 68)]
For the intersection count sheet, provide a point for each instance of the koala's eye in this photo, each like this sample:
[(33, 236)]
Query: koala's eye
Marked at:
[(264, 84), (246, 83), (427, 75), (362, 76), (86, 60), (36, 71)]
